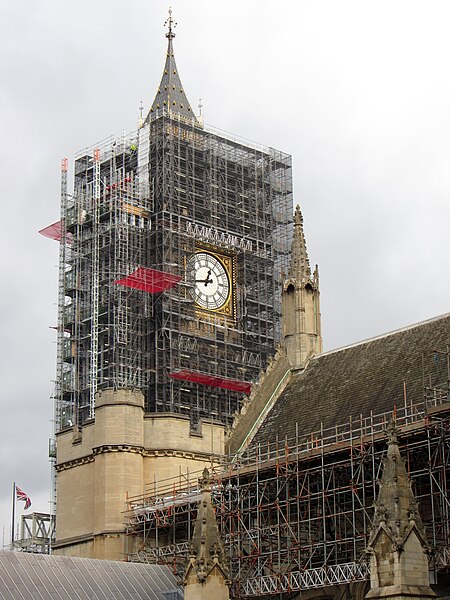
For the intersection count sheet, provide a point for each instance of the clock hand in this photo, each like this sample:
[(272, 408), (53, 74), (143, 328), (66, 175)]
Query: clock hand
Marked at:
[(206, 280)]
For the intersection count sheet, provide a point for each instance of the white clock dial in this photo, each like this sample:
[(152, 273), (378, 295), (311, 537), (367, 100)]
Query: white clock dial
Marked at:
[(211, 283)]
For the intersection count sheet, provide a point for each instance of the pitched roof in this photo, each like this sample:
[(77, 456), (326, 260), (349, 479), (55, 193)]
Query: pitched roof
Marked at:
[(370, 376), (24, 575)]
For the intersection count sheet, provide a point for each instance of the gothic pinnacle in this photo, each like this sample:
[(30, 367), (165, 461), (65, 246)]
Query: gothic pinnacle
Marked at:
[(396, 507), (299, 267), (207, 551), (397, 546)]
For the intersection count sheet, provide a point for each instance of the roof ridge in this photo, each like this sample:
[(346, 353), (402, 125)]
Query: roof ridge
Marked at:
[(383, 335)]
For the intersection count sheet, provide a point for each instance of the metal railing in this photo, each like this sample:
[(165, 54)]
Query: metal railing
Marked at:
[(307, 579)]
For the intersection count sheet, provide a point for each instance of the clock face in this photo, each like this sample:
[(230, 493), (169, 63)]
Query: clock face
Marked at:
[(211, 282)]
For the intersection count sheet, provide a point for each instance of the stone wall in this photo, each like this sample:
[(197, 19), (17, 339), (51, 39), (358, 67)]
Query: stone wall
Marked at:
[(112, 458)]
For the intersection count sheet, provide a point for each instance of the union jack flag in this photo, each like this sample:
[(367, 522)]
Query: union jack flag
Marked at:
[(22, 496)]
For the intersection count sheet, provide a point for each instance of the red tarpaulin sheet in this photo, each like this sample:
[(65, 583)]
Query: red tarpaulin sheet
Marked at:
[(227, 384), (53, 232), (149, 280)]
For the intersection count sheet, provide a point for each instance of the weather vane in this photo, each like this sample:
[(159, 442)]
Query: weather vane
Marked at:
[(169, 22)]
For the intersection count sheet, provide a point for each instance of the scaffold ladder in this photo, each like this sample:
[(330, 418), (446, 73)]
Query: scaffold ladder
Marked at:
[(95, 282)]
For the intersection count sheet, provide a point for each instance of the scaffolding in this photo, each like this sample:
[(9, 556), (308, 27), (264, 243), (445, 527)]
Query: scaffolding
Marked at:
[(296, 514), (145, 203), (36, 533)]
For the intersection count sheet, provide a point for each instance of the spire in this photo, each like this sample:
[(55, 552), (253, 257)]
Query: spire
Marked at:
[(207, 562), (299, 267), (397, 544), (170, 96)]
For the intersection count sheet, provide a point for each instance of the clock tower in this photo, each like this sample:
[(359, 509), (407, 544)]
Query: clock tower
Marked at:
[(173, 245)]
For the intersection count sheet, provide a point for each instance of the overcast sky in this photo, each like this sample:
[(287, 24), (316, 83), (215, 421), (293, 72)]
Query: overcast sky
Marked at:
[(358, 92)]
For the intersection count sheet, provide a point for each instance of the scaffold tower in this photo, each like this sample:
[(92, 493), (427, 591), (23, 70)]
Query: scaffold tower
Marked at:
[(173, 242)]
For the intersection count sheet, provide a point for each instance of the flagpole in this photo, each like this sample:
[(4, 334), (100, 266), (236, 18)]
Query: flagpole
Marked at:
[(13, 514)]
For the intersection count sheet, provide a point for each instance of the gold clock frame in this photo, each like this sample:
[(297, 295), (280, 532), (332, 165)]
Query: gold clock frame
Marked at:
[(228, 261)]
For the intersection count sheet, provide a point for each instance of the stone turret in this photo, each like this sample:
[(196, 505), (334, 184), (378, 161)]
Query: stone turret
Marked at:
[(302, 337), (397, 545), (206, 575)]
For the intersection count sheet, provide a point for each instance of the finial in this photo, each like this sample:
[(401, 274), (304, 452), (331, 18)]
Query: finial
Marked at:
[(298, 217), (141, 109), (200, 106), (171, 24), (392, 431), (206, 479)]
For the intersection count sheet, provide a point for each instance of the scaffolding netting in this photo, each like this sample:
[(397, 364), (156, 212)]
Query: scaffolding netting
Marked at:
[(212, 381), (149, 280)]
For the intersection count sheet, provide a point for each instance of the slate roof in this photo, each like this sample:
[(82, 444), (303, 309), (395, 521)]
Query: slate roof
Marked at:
[(365, 377), (40, 576)]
